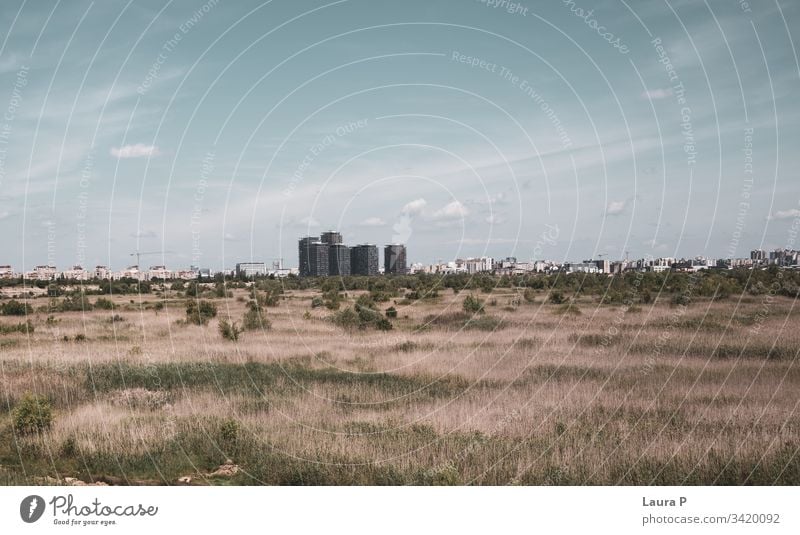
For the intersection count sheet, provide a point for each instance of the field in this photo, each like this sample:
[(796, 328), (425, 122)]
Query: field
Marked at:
[(526, 392)]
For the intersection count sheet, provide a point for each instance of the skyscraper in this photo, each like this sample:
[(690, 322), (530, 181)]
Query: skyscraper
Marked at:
[(331, 237), (394, 259), (338, 260), (304, 246), (313, 257), (364, 259)]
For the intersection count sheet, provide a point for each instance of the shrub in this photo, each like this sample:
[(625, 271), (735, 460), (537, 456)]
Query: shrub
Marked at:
[(229, 431), (529, 295), (80, 337), (200, 313), (77, 303), (556, 297), (681, 299), (472, 305), (317, 302), (391, 312), (15, 308), (332, 299), (254, 319), (25, 328), (383, 324), (347, 318), (104, 304), (229, 331), (32, 414)]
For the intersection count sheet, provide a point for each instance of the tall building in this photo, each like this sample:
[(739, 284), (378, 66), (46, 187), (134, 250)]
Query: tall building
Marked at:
[(303, 249), (318, 259), (758, 254), (331, 237), (338, 260), (394, 259), (364, 259)]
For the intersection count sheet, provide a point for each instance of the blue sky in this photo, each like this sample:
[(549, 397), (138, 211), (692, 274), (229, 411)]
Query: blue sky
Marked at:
[(221, 131)]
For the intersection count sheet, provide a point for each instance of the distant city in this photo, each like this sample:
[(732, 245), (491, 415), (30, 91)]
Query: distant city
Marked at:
[(327, 256)]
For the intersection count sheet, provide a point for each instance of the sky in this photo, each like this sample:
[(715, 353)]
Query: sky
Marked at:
[(214, 132)]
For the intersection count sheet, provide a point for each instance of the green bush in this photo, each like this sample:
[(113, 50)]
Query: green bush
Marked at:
[(229, 432), (529, 295), (15, 308), (32, 414), (25, 328), (229, 331), (472, 305), (391, 312), (103, 304), (254, 319), (200, 313), (556, 297), (317, 302)]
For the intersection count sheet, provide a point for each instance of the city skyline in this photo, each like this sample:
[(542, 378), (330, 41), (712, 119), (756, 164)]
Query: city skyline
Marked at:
[(219, 132)]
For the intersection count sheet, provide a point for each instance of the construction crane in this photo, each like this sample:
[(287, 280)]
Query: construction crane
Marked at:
[(138, 254)]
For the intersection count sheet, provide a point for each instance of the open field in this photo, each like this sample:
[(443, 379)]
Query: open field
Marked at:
[(524, 393)]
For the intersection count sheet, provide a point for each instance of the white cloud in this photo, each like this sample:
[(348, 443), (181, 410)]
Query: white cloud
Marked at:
[(4, 215), (494, 219), (453, 210), (656, 94), (415, 207), (616, 207), (785, 214), (309, 222), (372, 222), (229, 237), (139, 150), (144, 234)]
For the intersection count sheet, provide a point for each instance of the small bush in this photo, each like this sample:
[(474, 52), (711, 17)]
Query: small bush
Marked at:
[(80, 337), (556, 298), (229, 331), (317, 302), (254, 319), (472, 305), (32, 414), (229, 431), (529, 295), (69, 448), (681, 299), (391, 312), (25, 328), (200, 313), (15, 308), (104, 304)]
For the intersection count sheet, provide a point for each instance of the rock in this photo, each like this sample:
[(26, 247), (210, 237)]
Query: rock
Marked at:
[(75, 482), (225, 470), (185, 480)]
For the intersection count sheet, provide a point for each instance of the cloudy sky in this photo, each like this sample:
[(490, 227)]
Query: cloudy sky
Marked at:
[(218, 131)]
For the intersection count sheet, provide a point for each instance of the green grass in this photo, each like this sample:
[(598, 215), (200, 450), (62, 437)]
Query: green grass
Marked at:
[(254, 378)]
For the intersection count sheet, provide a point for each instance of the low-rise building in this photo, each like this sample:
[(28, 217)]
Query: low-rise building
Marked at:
[(251, 269)]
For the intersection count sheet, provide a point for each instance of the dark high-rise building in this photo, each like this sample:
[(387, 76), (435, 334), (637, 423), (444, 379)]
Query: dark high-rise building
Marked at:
[(318, 259), (313, 257), (394, 259), (304, 247), (331, 237), (338, 259), (364, 259)]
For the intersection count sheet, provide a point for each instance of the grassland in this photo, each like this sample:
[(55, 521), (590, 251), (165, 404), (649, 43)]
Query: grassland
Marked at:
[(524, 393)]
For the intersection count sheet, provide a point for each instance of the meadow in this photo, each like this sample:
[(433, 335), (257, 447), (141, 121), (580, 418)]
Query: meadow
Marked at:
[(509, 389)]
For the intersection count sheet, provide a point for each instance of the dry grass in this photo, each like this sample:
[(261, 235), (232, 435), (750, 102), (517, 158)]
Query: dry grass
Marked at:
[(662, 395)]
